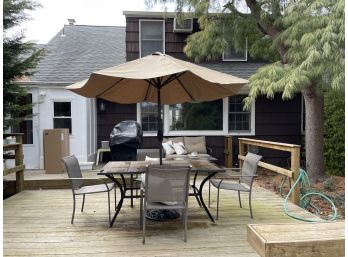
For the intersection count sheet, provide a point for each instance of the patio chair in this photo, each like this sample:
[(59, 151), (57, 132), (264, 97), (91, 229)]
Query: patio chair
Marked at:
[(165, 183), (245, 180), (72, 167)]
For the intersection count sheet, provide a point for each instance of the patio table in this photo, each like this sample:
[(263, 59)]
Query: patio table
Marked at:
[(122, 168)]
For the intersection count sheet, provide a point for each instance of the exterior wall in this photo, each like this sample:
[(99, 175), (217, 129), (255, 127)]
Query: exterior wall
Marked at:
[(113, 114), (79, 139), (275, 120), (174, 42)]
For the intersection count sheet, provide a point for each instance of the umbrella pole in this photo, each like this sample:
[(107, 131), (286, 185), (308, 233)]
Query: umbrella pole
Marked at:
[(160, 127)]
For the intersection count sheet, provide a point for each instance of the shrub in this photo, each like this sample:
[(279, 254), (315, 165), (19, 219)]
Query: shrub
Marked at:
[(334, 133)]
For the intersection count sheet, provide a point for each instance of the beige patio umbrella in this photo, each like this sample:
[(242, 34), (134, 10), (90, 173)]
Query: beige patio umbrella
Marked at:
[(161, 79)]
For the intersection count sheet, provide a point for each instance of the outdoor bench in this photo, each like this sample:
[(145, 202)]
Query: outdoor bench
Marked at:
[(297, 239)]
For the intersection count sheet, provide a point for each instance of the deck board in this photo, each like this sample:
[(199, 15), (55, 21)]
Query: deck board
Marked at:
[(37, 223)]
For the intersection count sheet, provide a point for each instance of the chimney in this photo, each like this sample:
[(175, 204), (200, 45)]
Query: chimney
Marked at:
[(71, 21)]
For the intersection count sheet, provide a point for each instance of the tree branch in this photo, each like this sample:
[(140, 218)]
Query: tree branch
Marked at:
[(230, 6)]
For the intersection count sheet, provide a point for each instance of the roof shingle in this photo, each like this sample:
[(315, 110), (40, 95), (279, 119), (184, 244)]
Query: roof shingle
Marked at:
[(78, 50)]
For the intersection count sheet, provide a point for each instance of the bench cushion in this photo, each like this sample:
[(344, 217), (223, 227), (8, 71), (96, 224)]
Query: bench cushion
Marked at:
[(195, 144)]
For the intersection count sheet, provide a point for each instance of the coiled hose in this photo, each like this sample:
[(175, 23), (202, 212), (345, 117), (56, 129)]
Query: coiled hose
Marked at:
[(303, 179)]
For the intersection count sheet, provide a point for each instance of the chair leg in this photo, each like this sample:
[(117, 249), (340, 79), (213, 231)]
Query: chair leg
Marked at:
[(251, 212), (185, 224), (144, 210), (240, 203), (83, 202), (141, 210), (209, 195), (109, 208), (115, 197), (217, 203), (73, 214)]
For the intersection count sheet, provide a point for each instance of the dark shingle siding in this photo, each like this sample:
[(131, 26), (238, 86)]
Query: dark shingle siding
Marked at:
[(82, 50)]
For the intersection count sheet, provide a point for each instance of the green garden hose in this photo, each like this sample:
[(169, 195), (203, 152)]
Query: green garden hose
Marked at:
[(303, 179)]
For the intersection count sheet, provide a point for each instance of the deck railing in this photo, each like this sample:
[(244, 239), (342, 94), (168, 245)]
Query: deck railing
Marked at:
[(18, 157), (294, 170)]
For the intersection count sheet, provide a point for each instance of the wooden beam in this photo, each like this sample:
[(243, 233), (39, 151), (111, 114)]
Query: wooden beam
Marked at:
[(298, 239), (269, 144), (295, 168), (14, 169), (271, 167)]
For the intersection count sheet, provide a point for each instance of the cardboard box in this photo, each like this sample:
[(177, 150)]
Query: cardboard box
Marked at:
[(55, 146)]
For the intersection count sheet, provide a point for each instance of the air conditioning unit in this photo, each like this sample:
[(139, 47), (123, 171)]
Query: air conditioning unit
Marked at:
[(184, 27)]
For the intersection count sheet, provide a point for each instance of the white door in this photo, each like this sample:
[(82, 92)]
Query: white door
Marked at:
[(31, 149)]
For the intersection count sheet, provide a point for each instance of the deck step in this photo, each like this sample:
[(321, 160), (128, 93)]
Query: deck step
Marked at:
[(297, 239)]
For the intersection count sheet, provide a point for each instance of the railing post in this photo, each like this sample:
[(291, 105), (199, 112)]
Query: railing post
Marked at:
[(241, 152), (228, 152), (19, 161), (295, 168)]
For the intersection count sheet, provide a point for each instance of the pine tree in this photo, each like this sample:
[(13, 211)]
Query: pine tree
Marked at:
[(19, 60), (303, 39)]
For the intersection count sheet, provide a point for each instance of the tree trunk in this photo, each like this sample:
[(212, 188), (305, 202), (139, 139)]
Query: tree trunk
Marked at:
[(314, 104)]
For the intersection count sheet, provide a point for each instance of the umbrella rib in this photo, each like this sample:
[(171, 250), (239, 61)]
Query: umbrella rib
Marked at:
[(171, 78), (110, 87), (187, 92), (147, 91)]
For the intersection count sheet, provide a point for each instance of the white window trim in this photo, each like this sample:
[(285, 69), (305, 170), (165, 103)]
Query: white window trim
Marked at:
[(164, 34), (71, 112), (245, 59), (223, 132)]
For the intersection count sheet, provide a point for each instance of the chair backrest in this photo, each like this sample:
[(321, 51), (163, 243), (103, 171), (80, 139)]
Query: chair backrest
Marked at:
[(249, 168), (72, 167), (166, 183)]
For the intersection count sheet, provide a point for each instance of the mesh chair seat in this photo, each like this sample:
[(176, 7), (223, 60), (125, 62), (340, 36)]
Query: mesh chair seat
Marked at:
[(229, 185), (95, 189), (246, 180), (165, 183), (72, 167)]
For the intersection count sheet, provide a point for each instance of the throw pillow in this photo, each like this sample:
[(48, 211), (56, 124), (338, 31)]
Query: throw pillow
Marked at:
[(150, 159), (179, 148), (168, 148)]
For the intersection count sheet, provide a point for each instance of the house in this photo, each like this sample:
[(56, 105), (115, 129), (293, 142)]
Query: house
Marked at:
[(274, 120), (71, 55), (76, 51)]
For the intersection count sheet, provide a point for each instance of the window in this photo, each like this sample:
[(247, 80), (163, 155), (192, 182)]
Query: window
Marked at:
[(62, 115), (25, 126), (149, 116), (230, 54), (238, 119), (196, 116), (151, 37), (215, 118)]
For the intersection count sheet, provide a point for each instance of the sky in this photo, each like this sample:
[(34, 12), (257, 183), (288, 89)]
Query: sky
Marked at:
[(50, 18)]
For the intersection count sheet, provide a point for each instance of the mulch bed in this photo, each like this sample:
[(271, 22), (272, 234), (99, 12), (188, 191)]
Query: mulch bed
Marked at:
[(332, 187)]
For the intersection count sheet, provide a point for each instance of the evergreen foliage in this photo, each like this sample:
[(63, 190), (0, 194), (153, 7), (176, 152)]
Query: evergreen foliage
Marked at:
[(304, 41), (334, 133), (19, 60)]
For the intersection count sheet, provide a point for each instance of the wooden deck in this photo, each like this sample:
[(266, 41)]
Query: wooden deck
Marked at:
[(37, 223)]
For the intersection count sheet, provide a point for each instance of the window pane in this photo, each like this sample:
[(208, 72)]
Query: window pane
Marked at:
[(25, 127), (152, 30), (238, 119), (196, 116), (62, 123), (231, 54), (150, 47), (149, 116), (62, 109)]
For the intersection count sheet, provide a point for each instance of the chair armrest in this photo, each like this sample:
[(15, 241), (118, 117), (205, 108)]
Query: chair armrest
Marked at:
[(90, 179)]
